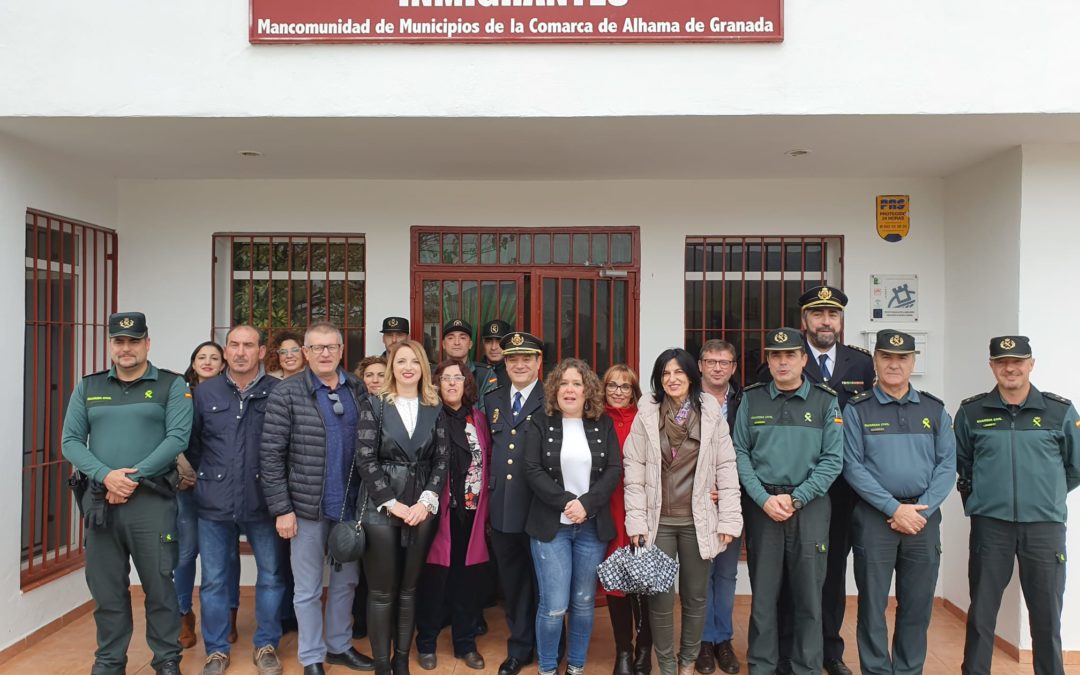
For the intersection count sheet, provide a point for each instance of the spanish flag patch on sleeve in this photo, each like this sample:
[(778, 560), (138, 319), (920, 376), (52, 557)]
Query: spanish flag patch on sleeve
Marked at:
[(838, 420), (187, 394)]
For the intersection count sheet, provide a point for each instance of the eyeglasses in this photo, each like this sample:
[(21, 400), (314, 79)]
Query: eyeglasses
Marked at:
[(286, 352), (621, 388), (452, 379), (319, 349), (336, 400), (713, 363)]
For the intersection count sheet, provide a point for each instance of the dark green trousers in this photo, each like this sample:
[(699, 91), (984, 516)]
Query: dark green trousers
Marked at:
[(880, 550), (680, 543), (796, 549), (142, 531), (1040, 550)]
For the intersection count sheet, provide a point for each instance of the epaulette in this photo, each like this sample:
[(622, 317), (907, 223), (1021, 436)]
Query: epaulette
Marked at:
[(825, 388), (170, 372), (860, 349), (974, 398), (861, 396), (931, 396), (1055, 397), (755, 385), (99, 372)]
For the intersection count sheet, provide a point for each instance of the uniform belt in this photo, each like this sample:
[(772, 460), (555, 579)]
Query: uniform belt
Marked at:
[(907, 500), (778, 489)]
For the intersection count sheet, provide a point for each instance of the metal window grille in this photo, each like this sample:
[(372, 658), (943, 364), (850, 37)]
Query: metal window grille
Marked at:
[(70, 292), (739, 288), (279, 282), (575, 288)]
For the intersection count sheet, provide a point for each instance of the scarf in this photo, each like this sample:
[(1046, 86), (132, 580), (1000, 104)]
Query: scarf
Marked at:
[(460, 451), (674, 422)]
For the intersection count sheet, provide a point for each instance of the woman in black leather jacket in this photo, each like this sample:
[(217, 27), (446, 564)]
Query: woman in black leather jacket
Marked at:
[(572, 464), (403, 472)]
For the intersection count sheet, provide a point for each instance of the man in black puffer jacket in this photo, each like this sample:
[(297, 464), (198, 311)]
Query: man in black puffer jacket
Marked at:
[(308, 479)]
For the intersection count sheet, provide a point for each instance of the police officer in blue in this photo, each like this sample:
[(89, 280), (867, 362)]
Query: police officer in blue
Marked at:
[(509, 409), (1017, 458), (899, 458), (846, 370)]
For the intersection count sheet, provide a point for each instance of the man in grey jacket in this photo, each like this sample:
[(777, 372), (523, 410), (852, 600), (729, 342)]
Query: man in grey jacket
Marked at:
[(308, 442)]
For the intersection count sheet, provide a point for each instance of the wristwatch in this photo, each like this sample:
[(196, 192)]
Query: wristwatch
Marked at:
[(796, 503)]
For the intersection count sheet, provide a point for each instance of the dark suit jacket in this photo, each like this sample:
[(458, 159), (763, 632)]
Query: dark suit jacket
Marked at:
[(511, 496), (543, 465)]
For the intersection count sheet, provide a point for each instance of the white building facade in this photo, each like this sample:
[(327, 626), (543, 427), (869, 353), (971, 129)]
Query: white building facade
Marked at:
[(617, 199)]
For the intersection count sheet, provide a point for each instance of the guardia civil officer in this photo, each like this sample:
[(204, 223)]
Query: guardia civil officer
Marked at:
[(789, 446), (394, 329), (457, 344), (494, 332), (1017, 456), (899, 457), (508, 410), (123, 429), (846, 370)]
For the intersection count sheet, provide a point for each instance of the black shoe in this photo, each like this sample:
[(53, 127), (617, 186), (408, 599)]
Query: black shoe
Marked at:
[(169, 668), (725, 657), (642, 660), (400, 663), (473, 660), (706, 660), (481, 626), (783, 667), (624, 664), (837, 667), (427, 661), (511, 666), (314, 669), (352, 659)]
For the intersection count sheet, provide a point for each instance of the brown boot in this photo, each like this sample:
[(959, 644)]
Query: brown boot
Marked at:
[(233, 637), (188, 636)]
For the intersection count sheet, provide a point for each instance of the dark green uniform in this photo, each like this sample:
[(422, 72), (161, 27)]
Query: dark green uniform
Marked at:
[(486, 380), (787, 443), (143, 425), (1016, 465)]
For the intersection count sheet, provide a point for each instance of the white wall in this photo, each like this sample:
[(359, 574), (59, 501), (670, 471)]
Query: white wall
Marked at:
[(1049, 257), (982, 268), (31, 178), (118, 58)]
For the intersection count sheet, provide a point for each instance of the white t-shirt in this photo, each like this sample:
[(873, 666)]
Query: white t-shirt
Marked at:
[(575, 459)]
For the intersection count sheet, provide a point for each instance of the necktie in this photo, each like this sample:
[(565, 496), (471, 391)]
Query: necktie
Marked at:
[(824, 361), (517, 402)]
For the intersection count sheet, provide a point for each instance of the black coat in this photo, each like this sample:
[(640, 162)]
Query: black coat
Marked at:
[(293, 455), (511, 496), (543, 467), (397, 466)]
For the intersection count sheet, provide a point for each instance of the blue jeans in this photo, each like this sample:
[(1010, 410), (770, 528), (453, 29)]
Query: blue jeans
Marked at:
[(217, 541), (187, 531), (566, 574), (721, 599)]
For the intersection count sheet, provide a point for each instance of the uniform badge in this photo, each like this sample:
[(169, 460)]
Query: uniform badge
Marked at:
[(824, 294), (517, 340), (149, 394), (457, 322), (1007, 343), (808, 417), (780, 338), (493, 329), (392, 323), (495, 416), (896, 341), (926, 422), (1037, 421), (127, 322)]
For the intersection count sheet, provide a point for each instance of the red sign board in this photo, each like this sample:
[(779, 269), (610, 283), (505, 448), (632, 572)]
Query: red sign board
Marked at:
[(515, 21)]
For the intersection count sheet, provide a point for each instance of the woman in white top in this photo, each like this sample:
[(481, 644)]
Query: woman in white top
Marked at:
[(402, 461), (572, 465)]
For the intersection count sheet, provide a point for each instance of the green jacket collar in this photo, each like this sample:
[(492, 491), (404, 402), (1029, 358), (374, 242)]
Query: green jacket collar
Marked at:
[(802, 392), (150, 374), (1034, 400)]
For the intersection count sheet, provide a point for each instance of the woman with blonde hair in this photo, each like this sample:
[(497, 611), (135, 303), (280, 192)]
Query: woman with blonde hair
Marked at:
[(678, 454), (402, 455), (572, 465)]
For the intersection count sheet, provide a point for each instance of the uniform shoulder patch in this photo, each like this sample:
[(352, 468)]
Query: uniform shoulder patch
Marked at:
[(99, 372), (1055, 397), (756, 385), (931, 396), (826, 388), (860, 349), (974, 398), (861, 396)]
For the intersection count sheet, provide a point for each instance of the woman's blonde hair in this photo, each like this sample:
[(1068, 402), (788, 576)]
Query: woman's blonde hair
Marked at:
[(627, 372), (426, 390), (594, 393)]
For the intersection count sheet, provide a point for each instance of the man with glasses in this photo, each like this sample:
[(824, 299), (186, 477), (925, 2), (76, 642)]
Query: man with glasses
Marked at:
[(224, 450), (308, 443), (717, 365)]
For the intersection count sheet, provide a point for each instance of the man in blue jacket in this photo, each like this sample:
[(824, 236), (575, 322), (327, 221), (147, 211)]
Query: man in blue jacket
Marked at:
[(224, 450)]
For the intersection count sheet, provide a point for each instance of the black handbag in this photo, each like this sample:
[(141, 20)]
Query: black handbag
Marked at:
[(347, 541)]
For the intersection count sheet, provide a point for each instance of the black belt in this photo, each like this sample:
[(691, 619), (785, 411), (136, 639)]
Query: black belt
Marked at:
[(907, 500), (778, 489)]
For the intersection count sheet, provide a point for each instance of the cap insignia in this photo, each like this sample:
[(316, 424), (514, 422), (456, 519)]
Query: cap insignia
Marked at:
[(494, 328), (824, 294), (392, 323), (517, 340), (780, 338), (896, 340), (127, 322), (1007, 344)]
